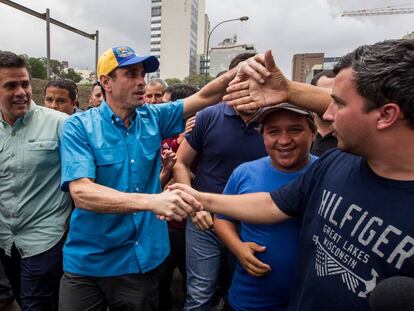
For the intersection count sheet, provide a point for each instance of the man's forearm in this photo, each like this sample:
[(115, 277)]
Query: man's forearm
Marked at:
[(94, 197), (182, 173), (210, 94), (252, 208), (309, 97)]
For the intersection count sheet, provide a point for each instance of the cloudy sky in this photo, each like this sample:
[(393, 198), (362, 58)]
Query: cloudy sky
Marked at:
[(285, 26)]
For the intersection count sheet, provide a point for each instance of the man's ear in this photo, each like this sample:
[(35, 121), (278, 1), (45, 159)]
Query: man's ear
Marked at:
[(388, 115), (104, 81)]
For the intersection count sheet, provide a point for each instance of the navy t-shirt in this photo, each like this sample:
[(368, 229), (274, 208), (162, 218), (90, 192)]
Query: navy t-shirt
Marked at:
[(357, 229), (223, 141)]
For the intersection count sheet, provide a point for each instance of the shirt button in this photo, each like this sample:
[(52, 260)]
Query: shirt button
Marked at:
[(136, 189), (13, 134), (12, 155), (136, 243), (134, 214), (132, 161), (127, 134)]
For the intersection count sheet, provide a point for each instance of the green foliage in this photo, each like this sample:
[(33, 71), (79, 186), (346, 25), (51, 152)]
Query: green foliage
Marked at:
[(72, 75), (37, 68), (172, 81), (197, 80)]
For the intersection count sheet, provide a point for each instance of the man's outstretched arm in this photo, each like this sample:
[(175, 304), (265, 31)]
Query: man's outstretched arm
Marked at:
[(253, 208)]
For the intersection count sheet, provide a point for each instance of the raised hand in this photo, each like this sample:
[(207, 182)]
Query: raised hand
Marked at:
[(246, 257), (168, 159), (258, 83)]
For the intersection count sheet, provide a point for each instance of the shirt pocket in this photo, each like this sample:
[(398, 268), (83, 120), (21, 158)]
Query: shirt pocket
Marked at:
[(109, 156), (41, 155)]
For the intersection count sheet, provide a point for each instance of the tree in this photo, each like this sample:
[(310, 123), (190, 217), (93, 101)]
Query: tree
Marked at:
[(198, 80), (37, 68), (72, 75), (172, 81)]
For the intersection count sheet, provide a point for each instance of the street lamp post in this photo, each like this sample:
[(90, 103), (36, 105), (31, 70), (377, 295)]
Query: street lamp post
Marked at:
[(206, 61)]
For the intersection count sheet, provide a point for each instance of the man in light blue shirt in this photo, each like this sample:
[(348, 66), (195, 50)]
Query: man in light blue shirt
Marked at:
[(33, 211), (111, 165)]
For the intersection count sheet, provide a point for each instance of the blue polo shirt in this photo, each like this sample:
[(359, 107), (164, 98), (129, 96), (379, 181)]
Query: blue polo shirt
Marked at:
[(223, 141), (96, 144)]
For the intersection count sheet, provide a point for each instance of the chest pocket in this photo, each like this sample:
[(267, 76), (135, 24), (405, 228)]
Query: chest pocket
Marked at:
[(109, 156), (41, 155)]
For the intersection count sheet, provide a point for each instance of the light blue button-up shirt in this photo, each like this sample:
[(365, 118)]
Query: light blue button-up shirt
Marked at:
[(96, 144), (34, 213)]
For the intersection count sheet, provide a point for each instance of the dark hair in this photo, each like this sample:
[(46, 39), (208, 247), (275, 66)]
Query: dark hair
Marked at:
[(64, 84), (98, 84), (323, 73), (11, 60), (384, 73), (180, 90), (239, 58)]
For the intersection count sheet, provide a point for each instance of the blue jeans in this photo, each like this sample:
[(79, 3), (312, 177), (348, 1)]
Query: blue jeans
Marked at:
[(203, 257)]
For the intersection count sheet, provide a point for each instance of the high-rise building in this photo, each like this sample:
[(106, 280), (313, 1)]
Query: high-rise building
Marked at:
[(178, 29), (302, 64), (221, 55)]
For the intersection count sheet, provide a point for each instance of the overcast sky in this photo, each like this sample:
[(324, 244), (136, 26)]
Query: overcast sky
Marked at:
[(285, 26)]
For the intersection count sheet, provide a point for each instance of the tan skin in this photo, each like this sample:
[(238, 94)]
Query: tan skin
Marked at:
[(154, 93), (96, 96), (288, 138), (59, 99), (15, 93), (124, 93)]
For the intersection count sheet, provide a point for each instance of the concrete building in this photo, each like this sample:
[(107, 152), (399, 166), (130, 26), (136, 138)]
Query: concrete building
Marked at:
[(178, 29), (221, 56), (409, 36), (302, 64)]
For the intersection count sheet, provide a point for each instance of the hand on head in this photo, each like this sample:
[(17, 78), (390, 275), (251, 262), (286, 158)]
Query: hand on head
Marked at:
[(258, 83)]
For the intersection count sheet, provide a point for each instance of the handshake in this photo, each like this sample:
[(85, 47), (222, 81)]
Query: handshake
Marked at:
[(178, 202)]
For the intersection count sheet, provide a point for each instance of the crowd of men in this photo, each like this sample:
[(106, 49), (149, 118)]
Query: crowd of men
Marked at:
[(98, 207)]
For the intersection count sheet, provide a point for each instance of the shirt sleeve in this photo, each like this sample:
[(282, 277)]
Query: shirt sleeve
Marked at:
[(291, 199), (230, 188), (171, 118), (76, 154), (195, 137)]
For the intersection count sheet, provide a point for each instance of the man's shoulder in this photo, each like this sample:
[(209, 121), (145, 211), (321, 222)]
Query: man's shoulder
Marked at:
[(214, 110), (49, 114)]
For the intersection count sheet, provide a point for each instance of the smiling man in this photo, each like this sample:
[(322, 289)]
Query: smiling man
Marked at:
[(267, 254), (111, 163), (33, 211)]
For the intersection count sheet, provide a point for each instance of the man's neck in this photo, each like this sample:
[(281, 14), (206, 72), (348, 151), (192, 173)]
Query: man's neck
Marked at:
[(123, 113), (8, 120), (394, 158)]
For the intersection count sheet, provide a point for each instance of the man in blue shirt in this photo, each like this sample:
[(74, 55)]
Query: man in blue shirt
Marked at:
[(355, 204), (221, 140), (267, 254), (111, 165)]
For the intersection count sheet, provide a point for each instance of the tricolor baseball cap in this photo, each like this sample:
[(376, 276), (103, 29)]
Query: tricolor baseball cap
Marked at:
[(122, 56)]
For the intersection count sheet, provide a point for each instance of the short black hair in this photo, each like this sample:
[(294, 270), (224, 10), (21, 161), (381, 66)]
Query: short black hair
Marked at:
[(66, 84), (384, 73), (12, 60), (181, 90), (239, 58), (324, 73)]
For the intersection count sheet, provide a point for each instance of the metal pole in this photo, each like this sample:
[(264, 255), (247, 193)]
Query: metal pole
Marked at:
[(243, 18), (96, 53), (48, 43)]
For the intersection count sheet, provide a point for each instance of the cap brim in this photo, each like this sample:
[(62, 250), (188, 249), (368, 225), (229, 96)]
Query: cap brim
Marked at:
[(265, 113), (150, 63)]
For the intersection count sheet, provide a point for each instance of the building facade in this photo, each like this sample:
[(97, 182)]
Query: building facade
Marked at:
[(302, 65), (178, 30), (221, 55)]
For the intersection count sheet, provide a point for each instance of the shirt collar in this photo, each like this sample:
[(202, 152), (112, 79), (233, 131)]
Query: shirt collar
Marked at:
[(229, 111), (109, 115), (26, 118)]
